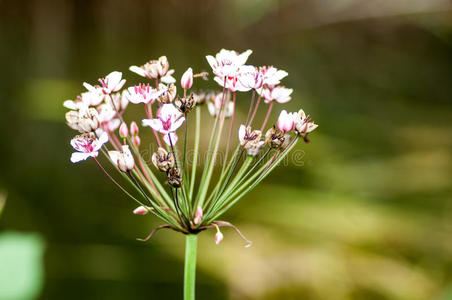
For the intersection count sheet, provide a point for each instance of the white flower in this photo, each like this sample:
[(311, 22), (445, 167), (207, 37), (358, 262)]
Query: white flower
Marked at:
[(227, 62), (279, 93), (106, 113), (247, 135), (155, 69), (250, 140), (285, 121), (169, 119), (187, 79), (214, 106), (122, 159), (250, 78), (112, 82), (143, 94), (271, 75), (303, 123), (87, 146), (119, 101)]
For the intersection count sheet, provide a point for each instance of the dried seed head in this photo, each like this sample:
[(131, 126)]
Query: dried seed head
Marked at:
[(246, 135), (84, 120), (174, 177), (169, 93), (163, 66), (274, 138), (123, 159), (163, 160), (186, 104)]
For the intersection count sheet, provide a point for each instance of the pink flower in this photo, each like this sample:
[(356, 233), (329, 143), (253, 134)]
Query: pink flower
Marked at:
[(169, 119), (143, 94), (122, 159), (285, 121), (271, 75), (87, 145), (140, 210), (155, 69), (112, 82), (279, 93), (227, 62), (187, 79)]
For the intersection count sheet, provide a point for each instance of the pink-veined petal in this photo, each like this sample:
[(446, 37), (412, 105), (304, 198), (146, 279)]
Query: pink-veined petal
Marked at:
[(155, 124)]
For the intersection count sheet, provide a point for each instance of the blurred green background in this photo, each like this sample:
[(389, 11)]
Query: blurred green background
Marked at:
[(365, 214)]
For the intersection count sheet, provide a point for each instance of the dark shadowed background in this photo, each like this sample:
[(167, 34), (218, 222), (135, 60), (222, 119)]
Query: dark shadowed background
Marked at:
[(365, 212)]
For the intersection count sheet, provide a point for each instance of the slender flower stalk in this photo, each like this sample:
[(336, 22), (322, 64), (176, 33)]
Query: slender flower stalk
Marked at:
[(184, 200)]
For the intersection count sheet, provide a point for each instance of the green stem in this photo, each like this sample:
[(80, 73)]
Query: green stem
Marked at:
[(190, 266)]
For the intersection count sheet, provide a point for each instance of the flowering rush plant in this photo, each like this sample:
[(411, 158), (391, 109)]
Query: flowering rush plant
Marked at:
[(171, 188)]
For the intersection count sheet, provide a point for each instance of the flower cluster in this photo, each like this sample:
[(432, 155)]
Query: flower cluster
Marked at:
[(187, 201)]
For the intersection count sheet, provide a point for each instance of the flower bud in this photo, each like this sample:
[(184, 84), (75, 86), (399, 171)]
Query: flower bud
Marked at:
[(136, 140), (184, 105), (174, 177), (163, 160), (198, 215), (140, 210), (123, 160), (187, 79), (123, 131), (218, 237), (285, 121), (134, 128)]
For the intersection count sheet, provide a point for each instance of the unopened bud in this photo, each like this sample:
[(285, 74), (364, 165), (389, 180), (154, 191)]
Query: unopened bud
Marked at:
[(123, 131), (140, 210), (187, 79), (198, 215), (133, 128), (218, 236), (136, 140)]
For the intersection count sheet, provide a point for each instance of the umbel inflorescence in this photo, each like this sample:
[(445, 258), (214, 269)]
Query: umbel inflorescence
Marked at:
[(185, 199)]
